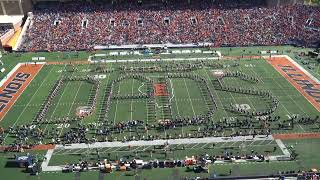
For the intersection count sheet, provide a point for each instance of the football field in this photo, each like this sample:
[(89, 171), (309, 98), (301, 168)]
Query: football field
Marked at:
[(183, 97), (72, 103)]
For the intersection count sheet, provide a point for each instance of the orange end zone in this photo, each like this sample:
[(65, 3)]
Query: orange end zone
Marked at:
[(309, 88), (43, 147), (15, 85), (297, 136), (28, 148), (160, 90)]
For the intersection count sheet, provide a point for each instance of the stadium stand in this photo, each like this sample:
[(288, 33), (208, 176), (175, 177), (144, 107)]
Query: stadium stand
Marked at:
[(4, 30), (69, 26)]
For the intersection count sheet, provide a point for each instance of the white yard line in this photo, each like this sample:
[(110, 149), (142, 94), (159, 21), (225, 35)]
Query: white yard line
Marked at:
[(189, 96), (251, 143), (282, 147), (57, 151), (195, 145), (172, 91), (33, 95), (204, 145), (139, 88), (107, 149), (55, 108), (131, 110), (223, 144), (248, 98), (72, 105), (233, 143), (217, 98), (289, 97), (147, 108), (300, 68), (75, 97), (170, 141), (115, 150), (77, 151), (175, 99), (292, 100), (230, 94), (261, 142), (115, 113), (107, 83), (270, 142)]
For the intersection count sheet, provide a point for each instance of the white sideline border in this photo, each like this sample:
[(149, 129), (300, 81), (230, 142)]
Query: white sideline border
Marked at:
[(9, 74), (45, 164), (13, 70), (162, 142), (154, 59), (7, 77), (298, 66)]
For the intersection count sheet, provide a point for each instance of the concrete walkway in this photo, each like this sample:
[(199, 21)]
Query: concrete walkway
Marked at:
[(162, 142), (285, 151)]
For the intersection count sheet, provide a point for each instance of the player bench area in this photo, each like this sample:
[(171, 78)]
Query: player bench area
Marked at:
[(232, 150)]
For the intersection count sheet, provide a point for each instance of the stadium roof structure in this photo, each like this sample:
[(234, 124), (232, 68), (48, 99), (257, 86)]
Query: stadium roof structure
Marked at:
[(6, 19)]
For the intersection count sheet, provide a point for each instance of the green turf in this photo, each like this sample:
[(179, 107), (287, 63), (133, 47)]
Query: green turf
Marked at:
[(186, 101), (305, 161), (265, 148)]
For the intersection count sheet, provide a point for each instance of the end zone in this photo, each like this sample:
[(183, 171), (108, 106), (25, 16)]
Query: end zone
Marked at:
[(15, 84), (303, 81), (297, 136)]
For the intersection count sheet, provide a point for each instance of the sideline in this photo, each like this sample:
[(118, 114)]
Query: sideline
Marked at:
[(162, 142)]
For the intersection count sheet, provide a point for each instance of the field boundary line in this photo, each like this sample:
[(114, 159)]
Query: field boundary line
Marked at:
[(10, 74), (194, 113), (25, 70), (301, 68), (163, 141), (308, 83), (282, 147), (116, 110)]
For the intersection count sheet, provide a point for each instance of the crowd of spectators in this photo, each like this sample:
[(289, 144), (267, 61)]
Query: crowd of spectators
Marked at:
[(84, 25), (4, 30)]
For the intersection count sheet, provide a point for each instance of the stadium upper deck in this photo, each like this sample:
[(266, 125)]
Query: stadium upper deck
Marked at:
[(82, 26)]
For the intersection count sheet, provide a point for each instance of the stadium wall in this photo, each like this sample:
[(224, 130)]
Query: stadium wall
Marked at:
[(15, 7)]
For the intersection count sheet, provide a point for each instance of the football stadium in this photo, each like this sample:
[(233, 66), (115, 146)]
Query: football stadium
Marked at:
[(159, 89)]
